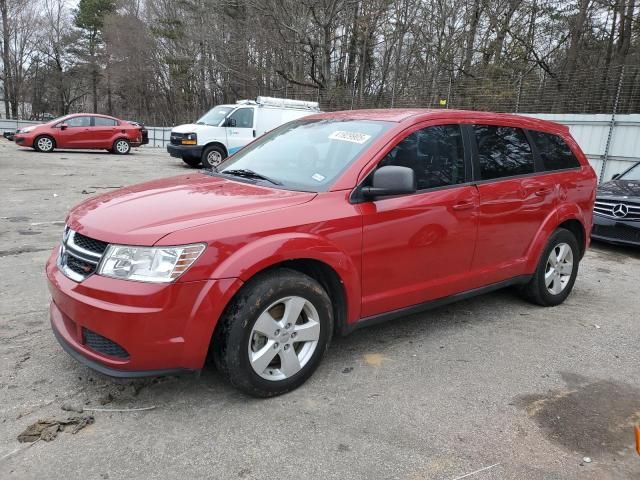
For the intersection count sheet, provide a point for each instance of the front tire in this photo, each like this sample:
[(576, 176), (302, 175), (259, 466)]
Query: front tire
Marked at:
[(274, 333), (192, 162), (557, 270), (213, 156), (44, 144), (121, 147)]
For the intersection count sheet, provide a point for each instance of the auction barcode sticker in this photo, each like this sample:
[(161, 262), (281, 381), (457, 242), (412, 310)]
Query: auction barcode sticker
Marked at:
[(353, 137)]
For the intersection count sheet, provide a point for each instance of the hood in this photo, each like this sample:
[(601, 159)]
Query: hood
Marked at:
[(143, 214), (620, 188), (194, 128)]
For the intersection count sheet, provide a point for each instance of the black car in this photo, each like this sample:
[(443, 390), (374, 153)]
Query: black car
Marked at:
[(616, 214)]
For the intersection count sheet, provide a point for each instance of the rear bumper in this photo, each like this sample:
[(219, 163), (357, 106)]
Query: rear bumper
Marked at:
[(615, 231), (157, 328), (185, 151)]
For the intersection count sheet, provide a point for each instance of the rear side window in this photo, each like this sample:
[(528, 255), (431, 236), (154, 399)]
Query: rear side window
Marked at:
[(554, 151), (502, 152), (436, 155), (104, 122)]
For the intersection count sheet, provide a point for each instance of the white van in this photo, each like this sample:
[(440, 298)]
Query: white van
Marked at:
[(225, 129)]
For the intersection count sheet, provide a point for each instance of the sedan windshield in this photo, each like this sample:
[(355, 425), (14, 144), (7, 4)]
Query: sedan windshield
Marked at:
[(305, 155), (632, 174), (214, 116)]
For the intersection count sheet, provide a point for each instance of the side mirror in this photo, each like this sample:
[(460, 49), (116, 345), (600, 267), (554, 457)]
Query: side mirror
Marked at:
[(391, 180), (616, 176), (63, 126), (231, 122)]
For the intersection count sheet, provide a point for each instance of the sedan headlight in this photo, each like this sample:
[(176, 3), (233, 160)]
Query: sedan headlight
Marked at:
[(25, 129), (148, 264)]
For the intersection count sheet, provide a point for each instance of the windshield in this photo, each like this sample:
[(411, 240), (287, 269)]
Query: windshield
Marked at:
[(632, 174), (214, 116), (59, 119), (305, 155)]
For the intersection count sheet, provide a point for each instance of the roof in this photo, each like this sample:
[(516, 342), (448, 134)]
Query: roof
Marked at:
[(415, 115)]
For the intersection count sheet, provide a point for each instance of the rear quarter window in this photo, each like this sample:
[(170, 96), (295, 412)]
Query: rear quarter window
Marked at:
[(554, 151), (503, 152)]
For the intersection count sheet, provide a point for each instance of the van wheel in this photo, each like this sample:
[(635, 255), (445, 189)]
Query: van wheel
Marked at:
[(274, 333), (44, 144), (556, 273), (212, 156), (121, 147)]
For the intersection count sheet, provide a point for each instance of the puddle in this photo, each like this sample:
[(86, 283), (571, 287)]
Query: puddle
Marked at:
[(588, 417)]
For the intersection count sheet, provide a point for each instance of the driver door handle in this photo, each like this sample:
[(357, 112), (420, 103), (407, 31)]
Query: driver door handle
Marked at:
[(463, 206)]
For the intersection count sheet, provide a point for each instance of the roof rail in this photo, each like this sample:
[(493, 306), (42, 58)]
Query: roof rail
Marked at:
[(284, 103)]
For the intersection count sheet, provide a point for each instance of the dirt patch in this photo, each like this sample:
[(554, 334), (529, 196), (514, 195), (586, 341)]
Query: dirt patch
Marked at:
[(48, 430), (591, 418), (20, 251)]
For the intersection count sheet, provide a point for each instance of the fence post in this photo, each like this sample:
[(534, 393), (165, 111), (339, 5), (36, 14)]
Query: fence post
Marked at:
[(612, 125)]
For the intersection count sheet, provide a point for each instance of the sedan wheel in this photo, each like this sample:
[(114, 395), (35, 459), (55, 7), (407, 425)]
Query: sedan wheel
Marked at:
[(44, 144), (121, 147)]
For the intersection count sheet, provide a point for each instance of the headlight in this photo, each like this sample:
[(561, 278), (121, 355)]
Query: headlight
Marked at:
[(148, 264), (190, 139), (26, 129)]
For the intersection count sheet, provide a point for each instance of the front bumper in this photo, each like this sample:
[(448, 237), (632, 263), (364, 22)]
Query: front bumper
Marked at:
[(23, 140), (161, 328), (185, 151), (615, 231)]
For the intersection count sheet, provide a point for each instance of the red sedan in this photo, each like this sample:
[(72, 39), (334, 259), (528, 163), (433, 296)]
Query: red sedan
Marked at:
[(82, 130)]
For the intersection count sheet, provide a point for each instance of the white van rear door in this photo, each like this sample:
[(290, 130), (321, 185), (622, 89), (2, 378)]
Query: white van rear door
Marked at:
[(243, 132)]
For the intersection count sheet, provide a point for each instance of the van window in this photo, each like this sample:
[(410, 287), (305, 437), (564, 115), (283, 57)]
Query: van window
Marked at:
[(243, 117), (503, 152), (554, 151), (104, 122), (436, 154)]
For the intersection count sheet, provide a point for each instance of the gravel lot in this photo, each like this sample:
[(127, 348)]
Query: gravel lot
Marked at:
[(490, 382)]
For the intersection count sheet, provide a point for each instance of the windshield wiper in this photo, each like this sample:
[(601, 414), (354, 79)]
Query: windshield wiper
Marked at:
[(246, 173)]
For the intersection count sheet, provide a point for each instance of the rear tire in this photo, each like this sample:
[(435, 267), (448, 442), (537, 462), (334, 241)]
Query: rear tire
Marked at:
[(557, 270), (44, 144), (274, 333), (213, 156), (121, 147), (192, 162)]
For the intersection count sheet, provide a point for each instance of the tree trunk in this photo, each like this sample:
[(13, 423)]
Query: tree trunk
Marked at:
[(6, 60)]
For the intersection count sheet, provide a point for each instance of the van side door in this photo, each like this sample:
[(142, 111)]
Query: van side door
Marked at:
[(515, 200), (240, 129), (419, 247)]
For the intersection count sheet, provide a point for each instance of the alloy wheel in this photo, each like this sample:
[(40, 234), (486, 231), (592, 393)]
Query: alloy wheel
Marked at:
[(45, 144), (284, 338), (559, 268), (122, 146)]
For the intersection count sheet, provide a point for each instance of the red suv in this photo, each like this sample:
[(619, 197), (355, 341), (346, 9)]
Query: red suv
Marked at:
[(320, 227), (82, 130)]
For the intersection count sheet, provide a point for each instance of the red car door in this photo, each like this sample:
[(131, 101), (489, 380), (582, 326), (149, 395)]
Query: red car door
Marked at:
[(103, 131), (74, 132), (419, 247), (514, 201)]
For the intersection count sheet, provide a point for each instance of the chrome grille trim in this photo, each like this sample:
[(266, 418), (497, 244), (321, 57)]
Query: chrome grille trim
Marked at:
[(82, 255), (605, 208)]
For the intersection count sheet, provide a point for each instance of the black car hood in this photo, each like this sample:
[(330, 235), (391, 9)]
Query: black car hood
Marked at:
[(620, 188)]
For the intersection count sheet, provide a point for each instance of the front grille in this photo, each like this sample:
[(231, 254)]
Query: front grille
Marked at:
[(102, 344), (176, 138), (80, 255), (620, 210), (90, 244), (619, 232), (80, 266)]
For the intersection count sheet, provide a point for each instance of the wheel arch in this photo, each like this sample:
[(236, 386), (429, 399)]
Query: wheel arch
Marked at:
[(217, 144)]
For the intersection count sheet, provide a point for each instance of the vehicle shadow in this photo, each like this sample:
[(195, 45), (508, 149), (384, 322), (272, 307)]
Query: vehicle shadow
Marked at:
[(78, 152), (614, 249)]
